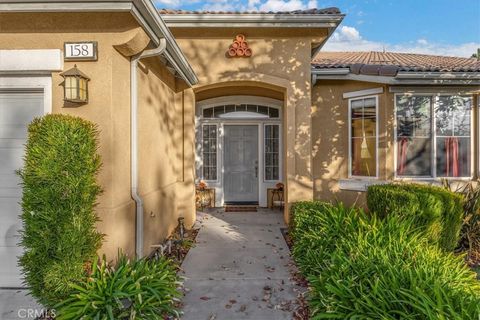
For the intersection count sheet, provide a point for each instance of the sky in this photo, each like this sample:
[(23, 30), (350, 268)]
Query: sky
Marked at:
[(442, 27)]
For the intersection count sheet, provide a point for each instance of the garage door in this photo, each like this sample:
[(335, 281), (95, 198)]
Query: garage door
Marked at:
[(17, 110)]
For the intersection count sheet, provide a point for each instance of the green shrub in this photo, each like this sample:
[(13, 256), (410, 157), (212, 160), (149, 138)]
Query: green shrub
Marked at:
[(437, 211), (470, 233), (138, 289), (59, 195), (304, 217), (363, 267)]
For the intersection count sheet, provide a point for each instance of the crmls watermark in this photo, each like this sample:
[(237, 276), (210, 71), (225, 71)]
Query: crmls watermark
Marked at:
[(30, 313)]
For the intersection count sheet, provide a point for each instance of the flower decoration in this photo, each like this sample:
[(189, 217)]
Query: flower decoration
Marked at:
[(202, 185)]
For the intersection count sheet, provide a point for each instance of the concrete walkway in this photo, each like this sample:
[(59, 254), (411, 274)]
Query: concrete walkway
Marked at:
[(239, 269), (17, 304)]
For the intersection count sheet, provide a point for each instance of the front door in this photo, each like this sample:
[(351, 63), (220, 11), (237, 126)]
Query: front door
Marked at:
[(241, 164)]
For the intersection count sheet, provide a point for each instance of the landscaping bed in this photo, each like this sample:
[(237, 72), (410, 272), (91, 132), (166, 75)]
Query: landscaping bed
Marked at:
[(385, 265)]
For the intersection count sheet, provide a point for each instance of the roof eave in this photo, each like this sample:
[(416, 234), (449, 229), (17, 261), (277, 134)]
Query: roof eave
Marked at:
[(142, 10), (402, 78), (253, 20)]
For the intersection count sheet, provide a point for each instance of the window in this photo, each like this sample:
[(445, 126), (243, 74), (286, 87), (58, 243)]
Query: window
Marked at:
[(241, 111), (363, 137), (433, 136), (272, 152), (210, 152)]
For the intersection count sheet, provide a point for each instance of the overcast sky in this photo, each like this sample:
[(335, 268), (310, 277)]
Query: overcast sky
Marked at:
[(445, 27)]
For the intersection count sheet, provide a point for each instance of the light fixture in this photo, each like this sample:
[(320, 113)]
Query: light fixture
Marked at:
[(75, 85)]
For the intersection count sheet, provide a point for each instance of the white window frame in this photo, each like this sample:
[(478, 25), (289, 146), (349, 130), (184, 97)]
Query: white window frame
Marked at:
[(280, 164), (377, 167), (216, 151), (434, 177)]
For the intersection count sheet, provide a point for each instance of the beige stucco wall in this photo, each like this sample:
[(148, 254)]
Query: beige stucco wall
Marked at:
[(281, 62), (330, 138), (165, 169)]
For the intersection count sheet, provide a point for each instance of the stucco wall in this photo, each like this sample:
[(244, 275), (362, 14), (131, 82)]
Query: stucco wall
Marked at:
[(166, 152), (161, 121), (330, 138), (280, 61)]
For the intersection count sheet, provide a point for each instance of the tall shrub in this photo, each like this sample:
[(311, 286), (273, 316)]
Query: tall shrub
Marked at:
[(437, 211), (59, 196)]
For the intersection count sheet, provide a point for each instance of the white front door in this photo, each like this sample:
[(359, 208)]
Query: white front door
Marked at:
[(17, 110), (241, 163)]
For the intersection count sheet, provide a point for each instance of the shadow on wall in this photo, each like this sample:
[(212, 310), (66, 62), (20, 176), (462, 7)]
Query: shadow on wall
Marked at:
[(164, 185), (286, 59)]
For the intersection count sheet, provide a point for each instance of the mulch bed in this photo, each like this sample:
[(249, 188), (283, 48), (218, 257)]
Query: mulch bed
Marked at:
[(301, 311)]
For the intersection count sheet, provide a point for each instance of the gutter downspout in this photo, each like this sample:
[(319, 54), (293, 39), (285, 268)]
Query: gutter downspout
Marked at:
[(134, 141)]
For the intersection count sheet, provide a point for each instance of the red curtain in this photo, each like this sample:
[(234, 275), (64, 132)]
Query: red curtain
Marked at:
[(402, 155), (452, 163)]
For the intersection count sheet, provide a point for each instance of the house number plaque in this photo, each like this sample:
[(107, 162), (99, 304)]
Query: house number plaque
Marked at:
[(85, 51)]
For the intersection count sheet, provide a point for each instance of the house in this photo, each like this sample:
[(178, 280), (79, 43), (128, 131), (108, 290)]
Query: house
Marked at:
[(240, 100)]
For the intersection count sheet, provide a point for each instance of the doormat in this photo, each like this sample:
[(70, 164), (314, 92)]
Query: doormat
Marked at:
[(240, 209)]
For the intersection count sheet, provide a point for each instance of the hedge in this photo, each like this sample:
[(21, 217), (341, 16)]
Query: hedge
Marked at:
[(437, 211), (59, 196), (364, 267)]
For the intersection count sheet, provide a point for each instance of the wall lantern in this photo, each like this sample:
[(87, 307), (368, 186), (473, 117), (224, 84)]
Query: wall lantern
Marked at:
[(75, 85)]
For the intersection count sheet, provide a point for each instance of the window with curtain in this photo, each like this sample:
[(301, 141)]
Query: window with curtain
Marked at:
[(272, 152), (363, 137), (209, 152), (433, 135)]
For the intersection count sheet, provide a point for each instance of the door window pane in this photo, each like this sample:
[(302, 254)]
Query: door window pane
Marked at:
[(210, 152), (272, 152), (363, 137)]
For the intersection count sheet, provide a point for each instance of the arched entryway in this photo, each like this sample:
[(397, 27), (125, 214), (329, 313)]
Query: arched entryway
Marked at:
[(239, 147)]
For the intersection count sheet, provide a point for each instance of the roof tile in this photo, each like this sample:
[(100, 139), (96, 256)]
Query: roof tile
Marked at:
[(389, 63)]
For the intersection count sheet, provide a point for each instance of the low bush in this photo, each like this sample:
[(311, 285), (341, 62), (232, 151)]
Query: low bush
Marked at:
[(470, 233), (59, 195), (437, 211), (304, 217), (138, 289), (363, 267)]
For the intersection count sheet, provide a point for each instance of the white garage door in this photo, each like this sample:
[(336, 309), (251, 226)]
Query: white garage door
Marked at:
[(17, 110)]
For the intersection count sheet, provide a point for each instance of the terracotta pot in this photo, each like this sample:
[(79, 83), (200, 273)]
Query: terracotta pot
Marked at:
[(248, 52), (244, 45), (240, 37), (240, 52), (232, 52), (236, 45)]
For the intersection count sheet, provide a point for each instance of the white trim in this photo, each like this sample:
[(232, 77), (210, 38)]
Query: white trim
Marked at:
[(220, 123), (269, 102), (41, 83), (280, 152), (252, 20), (35, 61), (433, 169), (333, 74), (360, 93), (377, 166), (360, 185), (434, 90), (216, 149)]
